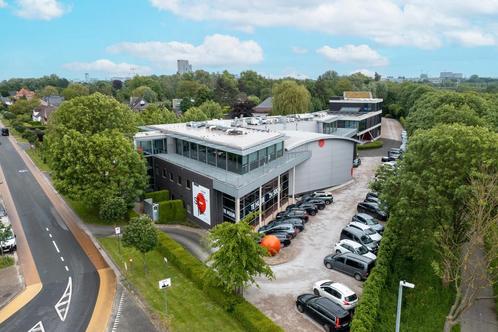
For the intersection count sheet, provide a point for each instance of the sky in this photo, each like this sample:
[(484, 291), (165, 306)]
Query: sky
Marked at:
[(277, 38)]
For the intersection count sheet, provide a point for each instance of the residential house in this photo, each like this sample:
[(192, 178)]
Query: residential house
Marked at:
[(138, 104), (264, 108), (42, 113), (24, 93)]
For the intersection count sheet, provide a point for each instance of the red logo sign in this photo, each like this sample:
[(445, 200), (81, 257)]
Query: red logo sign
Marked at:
[(321, 143), (200, 201)]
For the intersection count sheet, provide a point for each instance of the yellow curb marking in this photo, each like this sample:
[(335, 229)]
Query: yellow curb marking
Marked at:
[(103, 307), (20, 301)]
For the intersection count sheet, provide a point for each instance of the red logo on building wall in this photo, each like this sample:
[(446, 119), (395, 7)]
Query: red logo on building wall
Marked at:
[(321, 143), (200, 201)]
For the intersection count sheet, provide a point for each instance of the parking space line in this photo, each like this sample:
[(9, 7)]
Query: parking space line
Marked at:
[(67, 269), (56, 248), (62, 258), (50, 235)]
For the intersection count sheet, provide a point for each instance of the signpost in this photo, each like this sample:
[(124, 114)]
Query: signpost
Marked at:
[(117, 231), (164, 284)]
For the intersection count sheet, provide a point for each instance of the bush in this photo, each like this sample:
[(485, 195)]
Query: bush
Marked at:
[(172, 212), (372, 145), (30, 136), (158, 196), (6, 261), (19, 128), (112, 209), (9, 115), (249, 316)]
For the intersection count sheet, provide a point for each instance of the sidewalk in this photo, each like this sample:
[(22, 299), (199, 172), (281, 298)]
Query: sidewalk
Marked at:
[(11, 282)]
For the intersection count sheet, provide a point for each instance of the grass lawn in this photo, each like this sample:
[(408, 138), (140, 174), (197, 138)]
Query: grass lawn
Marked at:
[(372, 145), (188, 308), (424, 307), (6, 261), (90, 216), (35, 155)]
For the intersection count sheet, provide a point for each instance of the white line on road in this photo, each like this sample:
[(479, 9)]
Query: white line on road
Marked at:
[(38, 327), (118, 315), (62, 258), (50, 235), (62, 307), (56, 248), (67, 269), (46, 228)]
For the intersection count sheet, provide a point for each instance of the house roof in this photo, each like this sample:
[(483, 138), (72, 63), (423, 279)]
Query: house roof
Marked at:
[(264, 107), (357, 94), (53, 100), (24, 93), (138, 104), (44, 111)]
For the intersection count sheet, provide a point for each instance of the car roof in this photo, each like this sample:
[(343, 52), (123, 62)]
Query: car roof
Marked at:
[(355, 256), (352, 243), (354, 230), (364, 216), (359, 225), (331, 306), (345, 290)]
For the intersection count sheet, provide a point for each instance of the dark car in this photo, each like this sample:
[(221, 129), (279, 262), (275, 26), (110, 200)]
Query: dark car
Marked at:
[(386, 159), (372, 209), (368, 220), (357, 235), (285, 239), (293, 214), (356, 162), (319, 203), (349, 263), (308, 207), (5, 131), (296, 222), (324, 311), (373, 194), (279, 228), (370, 199), (324, 196)]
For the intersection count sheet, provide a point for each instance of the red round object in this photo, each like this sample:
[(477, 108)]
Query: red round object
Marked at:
[(200, 200), (321, 143), (272, 244)]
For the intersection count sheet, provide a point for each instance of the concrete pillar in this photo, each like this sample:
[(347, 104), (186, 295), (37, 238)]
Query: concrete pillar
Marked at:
[(237, 209), (294, 184), (278, 193), (260, 207)]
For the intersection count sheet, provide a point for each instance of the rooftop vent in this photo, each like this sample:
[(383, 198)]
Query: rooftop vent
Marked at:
[(235, 132), (196, 124)]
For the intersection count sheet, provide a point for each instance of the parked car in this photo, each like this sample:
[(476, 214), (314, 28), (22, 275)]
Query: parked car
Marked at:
[(326, 197), (387, 158), (337, 292), (367, 230), (371, 199), (319, 203), (354, 247), (370, 221), (286, 228), (356, 162), (372, 209), (296, 222), (352, 264), (5, 131), (357, 235), (324, 311), (9, 245), (285, 238), (293, 214), (373, 194), (311, 209), (3, 211)]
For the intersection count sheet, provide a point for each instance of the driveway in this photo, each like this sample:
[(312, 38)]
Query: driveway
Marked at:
[(276, 298)]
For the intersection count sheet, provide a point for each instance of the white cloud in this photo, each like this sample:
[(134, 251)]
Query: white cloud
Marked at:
[(472, 38), (419, 23), (105, 66), (299, 50), (359, 54), (3, 4), (216, 50), (40, 9)]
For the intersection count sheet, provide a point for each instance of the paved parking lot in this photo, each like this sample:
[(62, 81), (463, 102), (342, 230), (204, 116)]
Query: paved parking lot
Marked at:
[(276, 298)]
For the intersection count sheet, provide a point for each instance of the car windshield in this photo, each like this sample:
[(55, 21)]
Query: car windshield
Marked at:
[(352, 298), (362, 250), (370, 222), (366, 239)]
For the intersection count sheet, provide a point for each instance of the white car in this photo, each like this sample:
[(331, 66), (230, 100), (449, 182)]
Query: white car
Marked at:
[(376, 237), (10, 244), (346, 245), (338, 293)]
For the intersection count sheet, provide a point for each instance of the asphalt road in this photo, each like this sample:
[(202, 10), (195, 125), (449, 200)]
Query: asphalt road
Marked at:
[(70, 281)]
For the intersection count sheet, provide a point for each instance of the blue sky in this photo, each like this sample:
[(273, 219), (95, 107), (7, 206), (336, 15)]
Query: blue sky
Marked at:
[(301, 38)]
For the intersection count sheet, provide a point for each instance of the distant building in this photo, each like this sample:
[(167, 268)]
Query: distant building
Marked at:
[(264, 108), (424, 77), (448, 75), (6, 101), (24, 93), (138, 104), (42, 113), (183, 66), (175, 104), (52, 100)]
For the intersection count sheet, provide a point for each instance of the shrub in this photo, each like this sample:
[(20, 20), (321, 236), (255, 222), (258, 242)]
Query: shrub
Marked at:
[(19, 128), (6, 261), (9, 115), (372, 145), (158, 196), (172, 212), (112, 209), (30, 136), (249, 316)]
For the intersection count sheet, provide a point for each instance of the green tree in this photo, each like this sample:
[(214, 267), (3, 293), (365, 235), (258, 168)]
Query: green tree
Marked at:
[(203, 94), (146, 93), (187, 88), (141, 235), (113, 208), (194, 114), (104, 87), (290, 98), (212, 109), (48, 90), (75, 90), (226, 89), (326, 86), (254, 100), (343, 84), (238, 258), (251, 82), (23, 108), (153, 114), (186, 104)]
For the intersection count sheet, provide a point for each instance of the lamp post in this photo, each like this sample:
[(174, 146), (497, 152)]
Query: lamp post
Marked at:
[(402, 284)]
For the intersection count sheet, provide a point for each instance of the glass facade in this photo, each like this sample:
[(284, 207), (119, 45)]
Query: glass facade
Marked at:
[(360, 125), (330, 128), (153, 146), (229, 161)]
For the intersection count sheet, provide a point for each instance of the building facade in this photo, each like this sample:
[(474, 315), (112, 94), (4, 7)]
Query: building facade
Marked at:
[(183, 67)]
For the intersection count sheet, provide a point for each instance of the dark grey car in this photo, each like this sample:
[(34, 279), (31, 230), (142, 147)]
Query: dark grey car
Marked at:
[(352, 264), (357, 235)]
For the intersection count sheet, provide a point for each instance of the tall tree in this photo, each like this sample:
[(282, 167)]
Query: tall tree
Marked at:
[(238, 258), (226, 89), (290, 98), (146, 93), (48, 90), (212, 109), (153, 114), (75, 90), (251, 82), (141, 235), (194, 114)]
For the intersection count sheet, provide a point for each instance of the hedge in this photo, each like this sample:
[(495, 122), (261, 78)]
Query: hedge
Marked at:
[(171, 212), (372, 145), (244, 312), (369, 305), (158, 196)]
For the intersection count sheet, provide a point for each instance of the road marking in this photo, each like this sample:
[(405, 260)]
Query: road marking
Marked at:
[(62, 307), (50, 235), (46, 228), (118, 315), (56, 248), (23, 171), (62, 258), (38, 327), (67, 269)]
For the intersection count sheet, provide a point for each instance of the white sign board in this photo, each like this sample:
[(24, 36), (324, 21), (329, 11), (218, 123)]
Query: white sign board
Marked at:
[(201, 202), (164, 283), (117, 230)]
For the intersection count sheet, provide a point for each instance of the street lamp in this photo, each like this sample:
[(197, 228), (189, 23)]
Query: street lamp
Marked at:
[(402, 284)]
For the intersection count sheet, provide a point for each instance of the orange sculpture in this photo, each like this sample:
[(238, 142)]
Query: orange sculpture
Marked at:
[(272, 244)]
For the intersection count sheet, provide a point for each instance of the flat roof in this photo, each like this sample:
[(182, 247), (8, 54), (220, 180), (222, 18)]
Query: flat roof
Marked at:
[(151, 134), (358, 116), (251, 137), (295, 138), (357, 100)]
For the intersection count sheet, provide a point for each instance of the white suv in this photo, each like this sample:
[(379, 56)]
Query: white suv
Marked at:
[(376, 237), (346, 245), (338, 293)]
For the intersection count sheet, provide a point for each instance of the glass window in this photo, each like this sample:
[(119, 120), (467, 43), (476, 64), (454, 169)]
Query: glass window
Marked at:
[(186, 149), (202, 153), (280, 149), (179, 148), (234, 162), (253, 161), (245, 164), (262, 157), (211, 156), (272, 152), (222, 159), (164, 173), (179, 180), (171, 176), (188, 184), (193, 150)]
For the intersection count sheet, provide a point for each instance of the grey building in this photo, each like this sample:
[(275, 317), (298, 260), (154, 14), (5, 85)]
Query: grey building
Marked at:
[(225, 169), (183, 66)]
